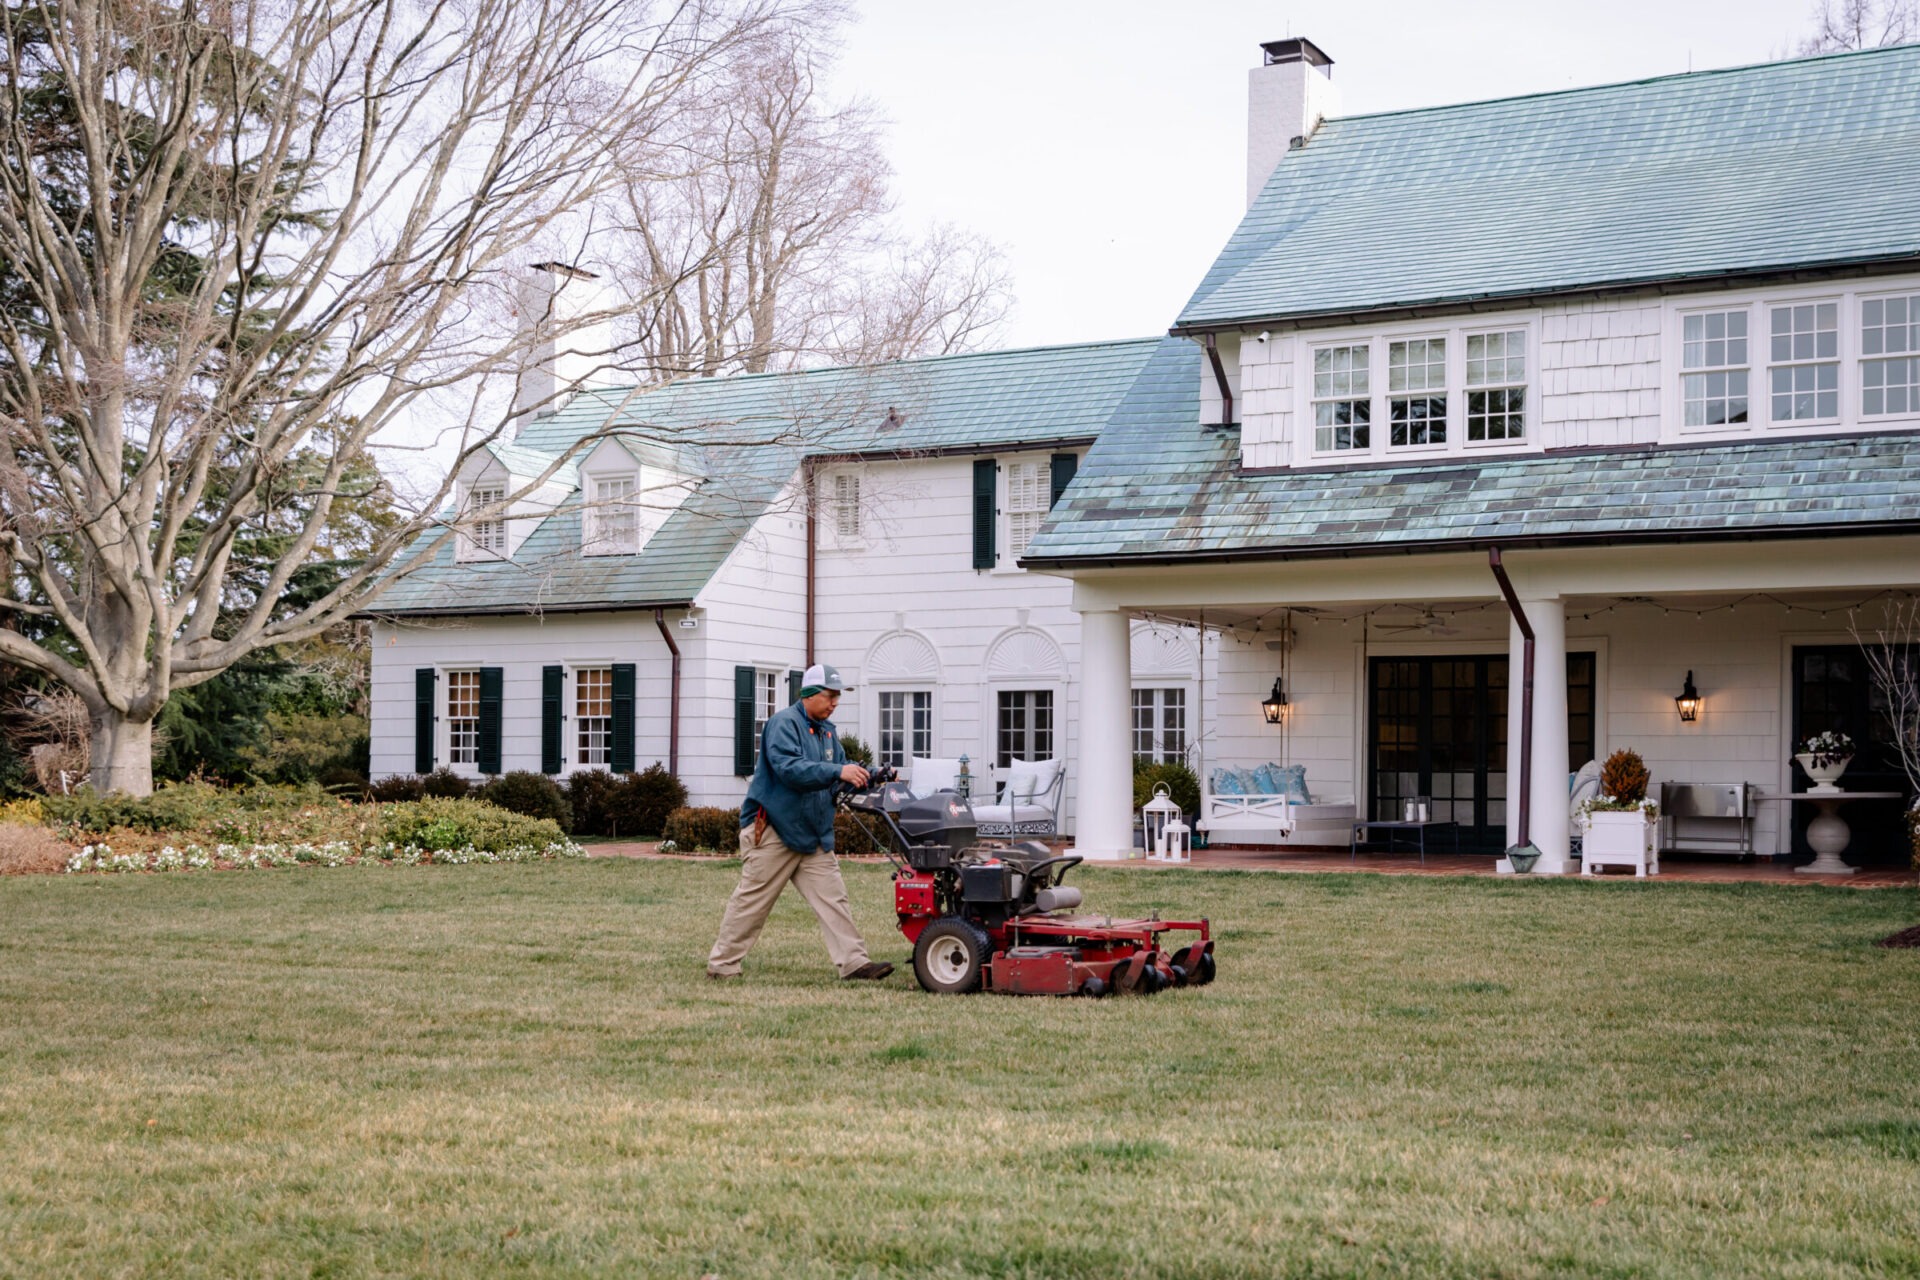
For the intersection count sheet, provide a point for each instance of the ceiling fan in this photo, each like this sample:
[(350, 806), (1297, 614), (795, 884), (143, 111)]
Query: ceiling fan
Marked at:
[(1425, 621)]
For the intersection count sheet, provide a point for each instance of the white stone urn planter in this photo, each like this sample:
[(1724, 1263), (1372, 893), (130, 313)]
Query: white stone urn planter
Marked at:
[(1621, 838), (1826, 776)]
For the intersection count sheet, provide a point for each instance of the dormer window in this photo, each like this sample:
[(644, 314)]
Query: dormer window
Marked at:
[(612, 516), (484, 539)]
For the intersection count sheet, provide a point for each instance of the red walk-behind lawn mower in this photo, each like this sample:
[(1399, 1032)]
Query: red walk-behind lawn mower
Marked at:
[(995, 917)]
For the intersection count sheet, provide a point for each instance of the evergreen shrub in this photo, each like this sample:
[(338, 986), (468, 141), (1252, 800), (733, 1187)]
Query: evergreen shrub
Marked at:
[(445, 784), (704, 830), (638, 806), (1182, 785), (439, 822), (587, 792), (401, 786), (533, 794)]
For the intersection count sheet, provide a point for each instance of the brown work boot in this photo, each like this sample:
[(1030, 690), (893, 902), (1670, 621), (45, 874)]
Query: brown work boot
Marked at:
[(722, 977), (872, 971)]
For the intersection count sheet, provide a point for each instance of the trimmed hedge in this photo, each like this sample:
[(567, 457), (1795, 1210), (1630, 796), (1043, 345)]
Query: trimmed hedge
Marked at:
[(533, 794), (185, 806), (704, 830), (639, 806), (445, 823)]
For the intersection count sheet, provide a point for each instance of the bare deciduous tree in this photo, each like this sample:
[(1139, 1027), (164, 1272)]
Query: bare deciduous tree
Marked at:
[(1840, 25), (780, 250), (1892, 650), (237, 231)]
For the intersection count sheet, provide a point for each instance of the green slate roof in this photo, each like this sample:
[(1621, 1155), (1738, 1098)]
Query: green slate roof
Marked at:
[(743, 438), (1757, 169), (1158, 488)]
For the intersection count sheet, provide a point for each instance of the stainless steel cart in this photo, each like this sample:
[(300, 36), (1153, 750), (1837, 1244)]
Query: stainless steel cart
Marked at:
[(1707, 817)]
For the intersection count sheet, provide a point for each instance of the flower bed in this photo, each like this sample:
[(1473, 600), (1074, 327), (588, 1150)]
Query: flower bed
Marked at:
[(228, 857)]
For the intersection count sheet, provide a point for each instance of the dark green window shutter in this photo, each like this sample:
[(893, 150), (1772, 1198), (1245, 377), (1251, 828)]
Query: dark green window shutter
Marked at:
[(793, 686), (1064, 465), (423, 678), (743, 743), (553, 684), (985, 473), (622, 752), (489, 745)]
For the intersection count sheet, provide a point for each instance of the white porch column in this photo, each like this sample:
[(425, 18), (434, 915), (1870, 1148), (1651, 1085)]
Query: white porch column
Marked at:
[(1103, 818), (1548, 812)]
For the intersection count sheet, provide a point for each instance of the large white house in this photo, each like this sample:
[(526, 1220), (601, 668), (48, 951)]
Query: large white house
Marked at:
[(1652, 349), (1649, 351), (658, 597)]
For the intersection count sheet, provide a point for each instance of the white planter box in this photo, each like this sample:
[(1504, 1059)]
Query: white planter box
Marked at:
[(1619, 838)]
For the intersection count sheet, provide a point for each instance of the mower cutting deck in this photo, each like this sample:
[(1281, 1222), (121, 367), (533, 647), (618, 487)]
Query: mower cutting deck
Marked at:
[(995, 917)]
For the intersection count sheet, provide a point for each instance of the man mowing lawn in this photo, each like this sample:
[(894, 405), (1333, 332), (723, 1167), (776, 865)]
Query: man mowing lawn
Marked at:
[(786, 833)]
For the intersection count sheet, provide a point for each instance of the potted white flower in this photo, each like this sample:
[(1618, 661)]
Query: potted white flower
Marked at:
[(1620, 821), (1824, 757)]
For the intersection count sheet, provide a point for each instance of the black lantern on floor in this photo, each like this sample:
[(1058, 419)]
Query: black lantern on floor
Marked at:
[(1689, 701), (1275, 706)]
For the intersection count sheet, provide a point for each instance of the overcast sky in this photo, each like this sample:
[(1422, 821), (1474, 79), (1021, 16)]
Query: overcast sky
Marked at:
[(1103, 142)]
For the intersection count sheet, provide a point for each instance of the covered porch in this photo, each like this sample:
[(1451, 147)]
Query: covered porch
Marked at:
[(1401, 675)]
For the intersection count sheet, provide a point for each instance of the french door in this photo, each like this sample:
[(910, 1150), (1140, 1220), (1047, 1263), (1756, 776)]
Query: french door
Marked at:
[(1437, 728)]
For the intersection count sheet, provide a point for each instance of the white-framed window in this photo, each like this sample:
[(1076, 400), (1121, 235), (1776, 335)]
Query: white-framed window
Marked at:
[(1342, 399), (766, 703), (463, 717), (1029, 488), (1417, 392), (906, 726), (1160, 725), (1024, 730), (1890, 355), (612, 516), (484, 539), (593, 716), (1714, 370), (1803, 362), (845, 508), (1497, 386)]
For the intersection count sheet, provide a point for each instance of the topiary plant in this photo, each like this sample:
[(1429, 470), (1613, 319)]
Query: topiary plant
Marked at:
[(1624, 777), (534, 794)]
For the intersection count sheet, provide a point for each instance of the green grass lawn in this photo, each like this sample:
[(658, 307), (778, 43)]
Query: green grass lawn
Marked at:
[(522, 1070)]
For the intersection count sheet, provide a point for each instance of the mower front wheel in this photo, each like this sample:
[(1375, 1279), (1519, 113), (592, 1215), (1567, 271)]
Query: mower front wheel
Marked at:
[(950, 956)]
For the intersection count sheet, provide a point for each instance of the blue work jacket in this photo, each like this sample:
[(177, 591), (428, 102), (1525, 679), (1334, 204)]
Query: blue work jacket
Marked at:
[(800, 760)]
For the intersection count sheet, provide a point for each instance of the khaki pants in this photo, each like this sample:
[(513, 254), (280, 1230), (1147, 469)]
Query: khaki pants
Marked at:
[(767, 868)]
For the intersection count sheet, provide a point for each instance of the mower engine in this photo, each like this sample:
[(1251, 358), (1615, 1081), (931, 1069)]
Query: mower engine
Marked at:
[(996, 917)]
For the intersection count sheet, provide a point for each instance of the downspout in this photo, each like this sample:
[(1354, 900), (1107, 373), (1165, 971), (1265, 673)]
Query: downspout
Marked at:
[(1220, 379), (813, 537), (1521, 843), (673, 705)]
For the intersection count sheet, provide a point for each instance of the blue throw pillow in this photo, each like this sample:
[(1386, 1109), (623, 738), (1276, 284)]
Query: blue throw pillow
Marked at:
[(1267, 780), (1227, 782), (1294, 778)]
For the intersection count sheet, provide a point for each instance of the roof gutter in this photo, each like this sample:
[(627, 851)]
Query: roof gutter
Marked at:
[(517, 610), (673, 710), (1353, 551)]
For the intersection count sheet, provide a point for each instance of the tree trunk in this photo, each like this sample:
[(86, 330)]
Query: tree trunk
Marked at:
[(122, 754)]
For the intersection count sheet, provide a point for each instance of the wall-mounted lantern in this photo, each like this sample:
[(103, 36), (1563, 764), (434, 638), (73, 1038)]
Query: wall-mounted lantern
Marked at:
[(1275, 706), (1688, 702)]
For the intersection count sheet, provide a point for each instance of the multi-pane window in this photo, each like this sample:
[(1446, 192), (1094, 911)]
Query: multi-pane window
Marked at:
[(846, 507), (486, 539), (1804, 362), (1029, 487), (1713, 357), (1497, 385), (906, 726), (613, 521), (766, 703), (1160, 725), (1342, 399), (593, 715), (1026, 725), (1890, 351), (463, 717), (1417, 392)]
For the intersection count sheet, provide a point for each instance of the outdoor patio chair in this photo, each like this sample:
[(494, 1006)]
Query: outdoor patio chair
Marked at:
[(1027, 802)]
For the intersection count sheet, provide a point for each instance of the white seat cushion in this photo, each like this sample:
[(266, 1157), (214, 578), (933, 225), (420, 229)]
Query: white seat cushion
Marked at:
[(1028, 779), (929, 774), (1009, 813)]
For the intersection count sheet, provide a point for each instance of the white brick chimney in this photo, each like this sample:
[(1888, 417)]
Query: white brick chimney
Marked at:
[(1287, 97), (564, 324)]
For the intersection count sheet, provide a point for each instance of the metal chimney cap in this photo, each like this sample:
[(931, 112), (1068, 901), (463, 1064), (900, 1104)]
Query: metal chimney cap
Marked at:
[(1298, 49)]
